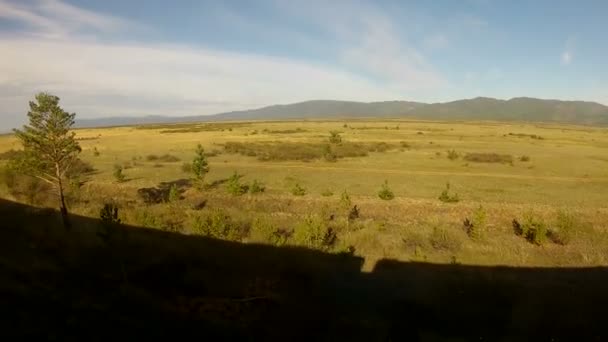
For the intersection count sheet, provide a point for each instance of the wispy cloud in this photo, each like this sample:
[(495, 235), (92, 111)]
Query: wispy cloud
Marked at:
[(53, 18), (57, 51)]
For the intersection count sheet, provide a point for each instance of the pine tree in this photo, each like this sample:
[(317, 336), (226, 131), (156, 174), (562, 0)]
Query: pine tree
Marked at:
[(50, 149), (200, 166)]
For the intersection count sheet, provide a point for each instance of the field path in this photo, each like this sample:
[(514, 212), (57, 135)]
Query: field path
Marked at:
[(415, 172)]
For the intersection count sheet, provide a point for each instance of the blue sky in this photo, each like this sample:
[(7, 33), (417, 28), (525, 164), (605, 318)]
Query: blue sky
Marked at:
[(116, 58)]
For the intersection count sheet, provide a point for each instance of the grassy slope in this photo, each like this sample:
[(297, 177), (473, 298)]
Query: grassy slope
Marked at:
[(567, 170)]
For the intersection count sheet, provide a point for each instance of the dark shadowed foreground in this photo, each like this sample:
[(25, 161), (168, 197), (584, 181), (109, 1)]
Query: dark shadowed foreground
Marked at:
[(136, 283)]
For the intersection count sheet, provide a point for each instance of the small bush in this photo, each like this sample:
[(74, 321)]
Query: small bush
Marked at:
[(334, 137), (345, 200), (353, 214), (446, 197), (385, 192), (265, 231), (443, 239), (532, 228), (153, 195), (453, 155), (109, 219), (174, 195), (476, 227), (404, 144), (234, 186), (219, 225), (26, 188), (524, 158), (298, 190), (95, 152), (489, 158), (168, 158), (314, 233), (119, 177), (328, 155), (256, 187), (151, 157)]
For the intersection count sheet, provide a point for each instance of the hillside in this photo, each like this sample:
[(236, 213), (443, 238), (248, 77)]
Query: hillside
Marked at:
[(481, 108)]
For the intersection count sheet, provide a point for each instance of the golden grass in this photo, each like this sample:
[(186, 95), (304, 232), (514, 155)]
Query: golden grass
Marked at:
[(568, 168)]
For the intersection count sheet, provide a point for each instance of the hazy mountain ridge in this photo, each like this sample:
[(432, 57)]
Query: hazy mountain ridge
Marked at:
[(480, 108)]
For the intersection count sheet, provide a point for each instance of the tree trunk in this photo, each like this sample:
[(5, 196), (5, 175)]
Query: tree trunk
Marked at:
[(64, 209)]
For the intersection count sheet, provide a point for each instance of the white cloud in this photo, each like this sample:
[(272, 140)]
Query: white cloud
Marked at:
[(53, 18), (566, 57), (57, 53)]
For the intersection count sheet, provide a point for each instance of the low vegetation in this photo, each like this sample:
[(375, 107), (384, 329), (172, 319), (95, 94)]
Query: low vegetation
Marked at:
[(489, 158)]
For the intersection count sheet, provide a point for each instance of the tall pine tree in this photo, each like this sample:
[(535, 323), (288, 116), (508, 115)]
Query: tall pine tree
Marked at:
[(49, 146)]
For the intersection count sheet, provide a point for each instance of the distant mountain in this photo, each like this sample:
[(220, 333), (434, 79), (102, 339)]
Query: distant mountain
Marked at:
[(480, 108)]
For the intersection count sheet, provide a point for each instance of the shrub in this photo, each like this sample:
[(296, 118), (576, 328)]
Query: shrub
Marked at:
[(443, 239), (151, 157), (353, 214), (168, 158), (334, 137), (95, 152), (524, 158), (345, 200), (532, 228), (263, 230), (234, 186), (11, 154), (453, 155), (256, 187), (109, 219), (25, 188), (385, 192), (219, 225), (119, 177), (404, 144), (328, 155), (153, 195), (298, 190), (174, 195), (489, 158), (446, 197), (476, 227), (314, 233)]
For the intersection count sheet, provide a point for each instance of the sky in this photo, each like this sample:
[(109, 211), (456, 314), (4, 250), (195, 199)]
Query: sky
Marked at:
[(196, 57)]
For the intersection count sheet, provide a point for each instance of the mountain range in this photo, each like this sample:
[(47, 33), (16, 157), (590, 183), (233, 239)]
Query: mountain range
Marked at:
[(480, 108)]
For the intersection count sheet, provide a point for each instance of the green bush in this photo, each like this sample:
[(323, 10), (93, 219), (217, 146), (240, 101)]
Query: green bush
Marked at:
[(314, 233), (119, 177), (533, 228), (219, 225), (385, 192), (26, 188), (256, 187), (446, 197), (443, 239), (263, 230), (298, 190), (174, 195), (234, 186), (476, 227)]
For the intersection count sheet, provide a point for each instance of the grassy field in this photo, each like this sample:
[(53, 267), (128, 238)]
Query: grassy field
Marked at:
[(548, 169)]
